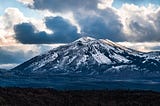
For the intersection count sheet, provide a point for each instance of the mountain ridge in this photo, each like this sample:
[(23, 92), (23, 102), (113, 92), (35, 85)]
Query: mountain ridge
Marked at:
[(89, 56)]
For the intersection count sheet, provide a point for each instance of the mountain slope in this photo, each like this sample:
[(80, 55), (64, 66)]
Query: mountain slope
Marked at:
[(88, 56)]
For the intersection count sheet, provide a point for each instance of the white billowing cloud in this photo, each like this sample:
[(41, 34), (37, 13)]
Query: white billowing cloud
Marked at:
[(26, 2), (7, 40), (140, 23), (13, 16), (46, 13), (143, 47), (104, 3)]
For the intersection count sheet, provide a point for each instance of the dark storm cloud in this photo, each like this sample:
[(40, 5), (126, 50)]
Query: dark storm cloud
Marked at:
[(7, 56), (103, 23), (65, 5), (103, 26), (98, 28), (64, 32), (93, 21), (17, 54)]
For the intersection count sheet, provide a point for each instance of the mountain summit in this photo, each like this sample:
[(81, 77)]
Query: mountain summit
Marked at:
[(89, 56)]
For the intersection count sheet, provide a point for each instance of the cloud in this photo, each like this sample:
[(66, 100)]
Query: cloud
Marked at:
[(64, 32), (156, 48), (105, 3), (26, 2), (102, 25), (119, 3), (97, 18), (63, 5), (142, 46), (10, 18), (140, 23), (132, 22), (8, 56), (19, 53), (94, 26), (62, 29)]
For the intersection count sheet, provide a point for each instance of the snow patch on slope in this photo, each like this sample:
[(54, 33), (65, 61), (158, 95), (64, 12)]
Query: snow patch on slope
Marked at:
[(47, 59), (120, 58), (101, 58), (82, 60)]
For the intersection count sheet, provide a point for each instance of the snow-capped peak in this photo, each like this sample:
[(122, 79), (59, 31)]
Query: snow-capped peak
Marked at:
[(85, 39)]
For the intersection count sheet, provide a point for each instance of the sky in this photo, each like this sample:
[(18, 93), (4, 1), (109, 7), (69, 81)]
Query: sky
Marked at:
[(32, 27)]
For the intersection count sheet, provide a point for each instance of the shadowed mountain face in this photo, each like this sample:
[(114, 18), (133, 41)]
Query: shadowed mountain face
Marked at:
[(88, 56)]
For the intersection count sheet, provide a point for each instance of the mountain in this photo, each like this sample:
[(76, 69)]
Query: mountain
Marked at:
[(89, 56)]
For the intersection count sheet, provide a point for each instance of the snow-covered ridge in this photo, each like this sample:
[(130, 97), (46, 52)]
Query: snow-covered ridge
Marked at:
[(108, 42)]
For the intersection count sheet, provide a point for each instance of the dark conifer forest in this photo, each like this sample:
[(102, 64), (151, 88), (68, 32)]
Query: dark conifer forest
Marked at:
[(51, 97)]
